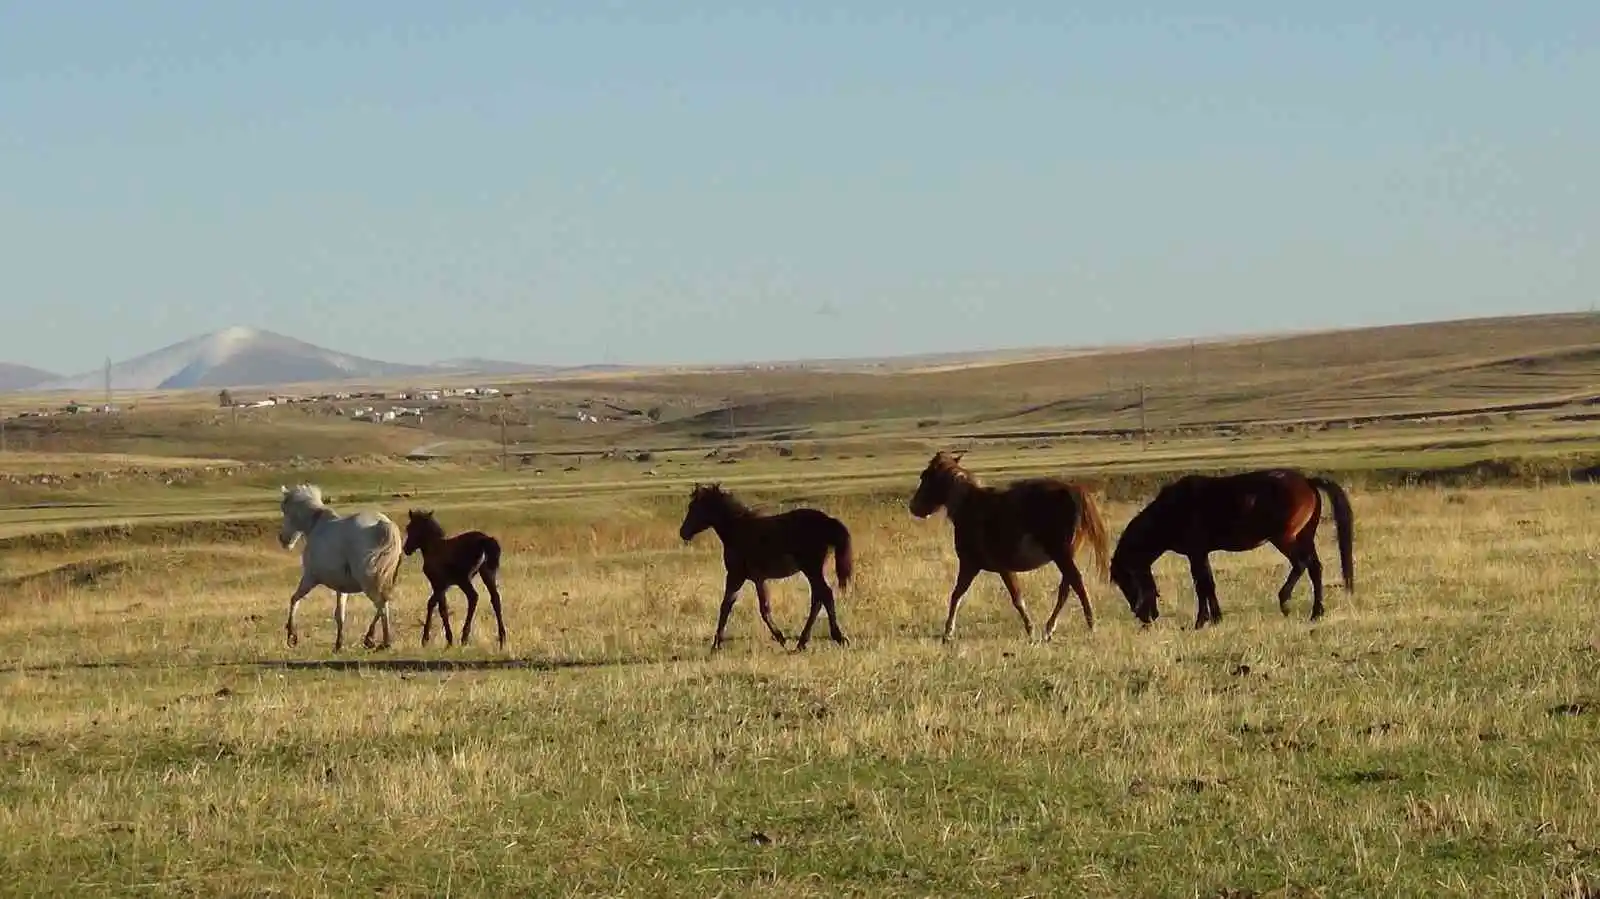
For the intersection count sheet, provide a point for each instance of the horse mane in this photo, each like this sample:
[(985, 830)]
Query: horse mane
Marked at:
[(309, 495), (423, 520), (950, 466), (1142, 526), (721, 499)]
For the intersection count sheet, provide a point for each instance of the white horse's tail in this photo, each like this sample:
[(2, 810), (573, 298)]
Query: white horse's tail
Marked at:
[(383, 563)]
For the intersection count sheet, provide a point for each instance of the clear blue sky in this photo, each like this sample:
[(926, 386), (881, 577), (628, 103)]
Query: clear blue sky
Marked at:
[(581, 183)]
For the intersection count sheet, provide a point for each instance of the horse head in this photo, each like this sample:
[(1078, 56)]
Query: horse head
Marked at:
[(705, 502), (936, 484), (300, 506), (420, 527), (1138, 587)]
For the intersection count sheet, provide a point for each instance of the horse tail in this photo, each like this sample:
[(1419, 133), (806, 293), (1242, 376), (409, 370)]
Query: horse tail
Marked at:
[(383, 563), (843, 557), (491, 555), (1092, 527), (1344, 523)]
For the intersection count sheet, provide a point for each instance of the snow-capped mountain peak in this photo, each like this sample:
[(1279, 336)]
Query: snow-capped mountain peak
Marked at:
[(235, 357)]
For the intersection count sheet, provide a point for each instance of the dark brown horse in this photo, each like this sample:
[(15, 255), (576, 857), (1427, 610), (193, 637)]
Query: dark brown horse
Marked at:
[(451, 562), (1197, 515), (1022, 526), (759, 548)]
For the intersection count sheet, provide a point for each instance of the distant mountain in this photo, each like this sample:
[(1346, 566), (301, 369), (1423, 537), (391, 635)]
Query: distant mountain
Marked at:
[(491, 367), (22, 377), (235, 357), (497, 367)]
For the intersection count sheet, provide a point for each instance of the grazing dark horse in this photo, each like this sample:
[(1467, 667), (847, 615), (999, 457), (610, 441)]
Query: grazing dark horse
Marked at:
[(1197, 515), (451, 562), (759, 548), (1022, 526)]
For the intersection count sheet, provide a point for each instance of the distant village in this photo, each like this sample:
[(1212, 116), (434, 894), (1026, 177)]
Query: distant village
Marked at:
[(373, 406), (369, 413)]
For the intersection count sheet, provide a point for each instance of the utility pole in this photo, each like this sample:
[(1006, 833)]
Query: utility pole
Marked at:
[(504, 461), (108, 384), (1144, 432), (1194, 370), (2, 434)]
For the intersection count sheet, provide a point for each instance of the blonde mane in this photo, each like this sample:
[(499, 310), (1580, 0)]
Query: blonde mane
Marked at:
[(308, 495)]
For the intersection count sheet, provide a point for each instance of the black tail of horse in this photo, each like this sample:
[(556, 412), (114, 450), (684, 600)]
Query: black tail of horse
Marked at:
[(491, 555), (843, 560), (1344, 523)]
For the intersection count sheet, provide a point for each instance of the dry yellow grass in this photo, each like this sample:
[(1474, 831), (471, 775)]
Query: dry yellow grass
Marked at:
[(1434, 736)]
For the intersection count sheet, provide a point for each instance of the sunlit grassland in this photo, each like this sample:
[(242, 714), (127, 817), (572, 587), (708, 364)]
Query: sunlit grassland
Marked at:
[(1434, 735)]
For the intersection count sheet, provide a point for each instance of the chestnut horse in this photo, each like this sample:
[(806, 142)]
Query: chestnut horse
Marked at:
[(1016, 528), (451, 562), (1197, 515), (759, 548)]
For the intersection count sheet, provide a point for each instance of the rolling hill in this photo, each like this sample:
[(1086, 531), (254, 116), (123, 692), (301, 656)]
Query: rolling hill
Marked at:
[(250, 357), (22, 377)]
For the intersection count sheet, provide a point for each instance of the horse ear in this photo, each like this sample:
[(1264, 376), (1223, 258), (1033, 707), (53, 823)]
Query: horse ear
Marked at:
[(958, 456), (283, 489)]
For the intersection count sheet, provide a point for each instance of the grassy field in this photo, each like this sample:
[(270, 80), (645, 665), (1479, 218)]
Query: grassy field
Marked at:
[(1434, 735)]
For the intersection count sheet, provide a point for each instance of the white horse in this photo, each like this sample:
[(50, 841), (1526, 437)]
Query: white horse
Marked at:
[(356, 554)]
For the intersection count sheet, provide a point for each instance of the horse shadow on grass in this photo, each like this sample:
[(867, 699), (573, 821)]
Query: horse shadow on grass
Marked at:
[(423, 666), (395, 666)]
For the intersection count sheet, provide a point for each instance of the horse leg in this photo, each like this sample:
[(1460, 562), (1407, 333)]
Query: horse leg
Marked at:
[(1314, 567), (1071, 580), (291, 636), (811, 616), (427, 615), (444, 615), (766, 612), (825, 592), (1297, 567), (370, 640), (494, 602), (338, 619), (380, 614), (436, 601), (388, 634), (1015, 589), (964, 578), (730, 592), (1205, 591), (821, 600), (472, 608)]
